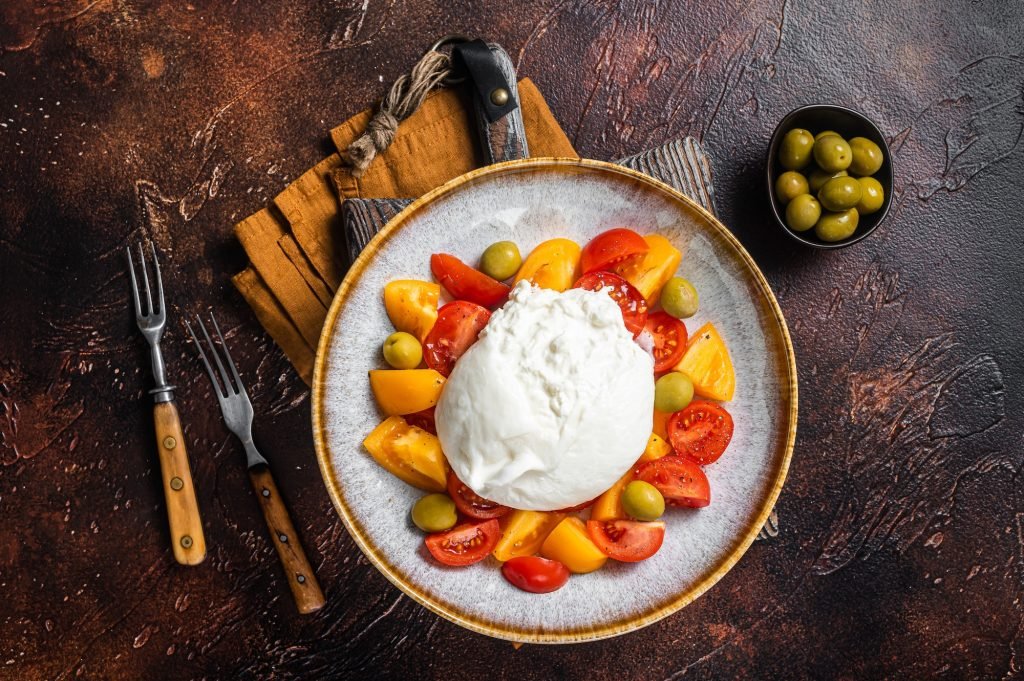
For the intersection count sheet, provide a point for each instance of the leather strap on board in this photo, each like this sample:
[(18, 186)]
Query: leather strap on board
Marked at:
[(475, 61)]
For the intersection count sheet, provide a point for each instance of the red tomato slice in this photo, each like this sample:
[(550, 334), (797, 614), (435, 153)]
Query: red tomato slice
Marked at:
[(701, 431), (669, 336), (630, 301), (466, 283), (535, 574), (457, 326), (465, 544), (611, 247), (423, 419), (472, 504), (679, 480), (628, 541)]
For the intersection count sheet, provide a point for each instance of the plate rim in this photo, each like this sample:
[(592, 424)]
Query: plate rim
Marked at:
[(373, 554)]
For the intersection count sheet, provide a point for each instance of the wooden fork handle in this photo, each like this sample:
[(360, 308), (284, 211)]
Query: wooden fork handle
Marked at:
[(301, 578), (187, 540)]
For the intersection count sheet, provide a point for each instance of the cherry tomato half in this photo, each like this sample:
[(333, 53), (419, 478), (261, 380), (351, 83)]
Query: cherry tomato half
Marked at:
[(629, 300), (472, 504), (457, 326), (535, 574), (669, 336), (628, 541), (611, 247), (679, 480), (466, 283), (464, 544), (701, 431)]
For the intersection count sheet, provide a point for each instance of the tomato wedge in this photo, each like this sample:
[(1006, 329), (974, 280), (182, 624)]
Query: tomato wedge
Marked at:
[(535, 574), (457, 326), (423, 419), (611, 247), (629, 541), (472, 504), (629, 300), (464, 544), (701, 431), (679, 480), (669, 335), (466, 283)]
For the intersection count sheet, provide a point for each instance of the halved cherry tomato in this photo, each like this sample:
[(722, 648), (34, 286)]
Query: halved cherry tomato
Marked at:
[(628, 541), (472, 504), (680, 481), (629, 300), (466, 283), (535, 574), (464, 544), (423, 419), (611, 247), (701, 431), (457, 326), (669, 336)]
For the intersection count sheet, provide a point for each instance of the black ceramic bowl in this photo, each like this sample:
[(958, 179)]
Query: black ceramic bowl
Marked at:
[(848, 123)]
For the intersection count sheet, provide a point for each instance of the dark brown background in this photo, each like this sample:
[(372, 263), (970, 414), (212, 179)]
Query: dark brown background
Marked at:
[(902, 543)]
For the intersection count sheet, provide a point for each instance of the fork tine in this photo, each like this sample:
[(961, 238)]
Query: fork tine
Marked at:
[(206, 362), (145, 279), (216, 357), (135, 284), (159, 279), (227, 354)]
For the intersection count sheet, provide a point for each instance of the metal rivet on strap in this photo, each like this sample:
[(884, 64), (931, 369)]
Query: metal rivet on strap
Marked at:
[(499, 96), (176, 483), (301, 579), (266, 492), (169, 442), (283, 538), (186, 541)]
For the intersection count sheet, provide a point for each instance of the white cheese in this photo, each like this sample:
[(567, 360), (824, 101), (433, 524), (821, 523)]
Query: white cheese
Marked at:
[(551, 405)]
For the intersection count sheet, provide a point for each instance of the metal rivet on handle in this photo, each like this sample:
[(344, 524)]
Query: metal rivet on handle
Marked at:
[(169, 442), (266, 492), (283, 538), (176, 483), (499, 96), (186, 541), (301, 579)]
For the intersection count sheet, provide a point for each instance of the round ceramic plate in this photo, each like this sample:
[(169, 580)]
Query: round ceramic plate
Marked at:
[(528, 202)]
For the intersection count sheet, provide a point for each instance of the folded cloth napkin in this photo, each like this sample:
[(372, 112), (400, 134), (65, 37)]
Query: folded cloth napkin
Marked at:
[(295, 245)]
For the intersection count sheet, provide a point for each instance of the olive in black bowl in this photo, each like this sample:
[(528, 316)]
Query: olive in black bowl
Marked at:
[(834, 160)]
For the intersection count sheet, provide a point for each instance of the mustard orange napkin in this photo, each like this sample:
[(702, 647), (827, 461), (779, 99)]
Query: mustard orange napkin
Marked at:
[(295, 244)]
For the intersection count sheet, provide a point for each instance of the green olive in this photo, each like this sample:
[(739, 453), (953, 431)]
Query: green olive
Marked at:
[(679, 298), (643, 501), (501, 260), (818, 177), (825, 133), (837, 226), (790, 185), (832, 153), (867, 156), (802, 212), (795, 149), (872, 195), (434, 513), (672, 392), (840, 193), (402, 350)]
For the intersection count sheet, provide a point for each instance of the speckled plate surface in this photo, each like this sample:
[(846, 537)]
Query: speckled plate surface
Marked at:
[(530, 201)]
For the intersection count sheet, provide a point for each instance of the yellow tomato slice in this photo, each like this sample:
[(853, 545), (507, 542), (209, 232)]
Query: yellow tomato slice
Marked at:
[(656, 448), (553, 264), (410, 453), (524, 532), (406, 391), (570, 544), (649, 274), (707, 363), (609, 505), (661, 424), (412, 305)]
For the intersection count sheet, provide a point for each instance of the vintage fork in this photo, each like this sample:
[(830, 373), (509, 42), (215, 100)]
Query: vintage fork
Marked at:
[(238, 415), (187, 540)]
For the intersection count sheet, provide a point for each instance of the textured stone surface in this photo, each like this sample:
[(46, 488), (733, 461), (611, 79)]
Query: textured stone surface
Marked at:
[(902, 543)]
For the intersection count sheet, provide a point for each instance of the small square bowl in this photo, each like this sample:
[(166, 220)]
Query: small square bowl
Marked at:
[(848, 123)]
